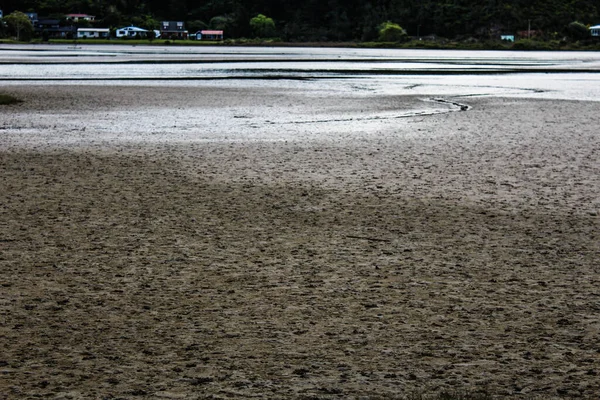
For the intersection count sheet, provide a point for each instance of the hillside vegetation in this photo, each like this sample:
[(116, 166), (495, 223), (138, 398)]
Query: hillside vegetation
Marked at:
[(337, 20)]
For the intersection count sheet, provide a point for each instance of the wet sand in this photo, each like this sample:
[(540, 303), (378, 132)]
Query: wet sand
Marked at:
[(152, 248)]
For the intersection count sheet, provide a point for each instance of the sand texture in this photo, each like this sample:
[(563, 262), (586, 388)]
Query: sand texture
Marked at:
[(238, 243)]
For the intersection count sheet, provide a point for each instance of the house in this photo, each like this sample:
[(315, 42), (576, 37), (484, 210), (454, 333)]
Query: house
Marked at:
[(508, 38), (131, 31), (209, 35), (173, 30), (529, 34), (52, 28), (83, 33), (33, 17), (78, 17), (49, 25), (595, 30)]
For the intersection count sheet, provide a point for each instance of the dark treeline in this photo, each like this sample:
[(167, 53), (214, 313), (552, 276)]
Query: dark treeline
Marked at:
[(335, 20)]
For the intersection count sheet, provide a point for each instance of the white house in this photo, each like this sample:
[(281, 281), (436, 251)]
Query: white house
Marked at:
[(595, 30), (83, 33), (77, 17), (131, 31)]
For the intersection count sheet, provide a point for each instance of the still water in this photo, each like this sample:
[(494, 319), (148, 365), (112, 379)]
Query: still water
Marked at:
[(553, 75)]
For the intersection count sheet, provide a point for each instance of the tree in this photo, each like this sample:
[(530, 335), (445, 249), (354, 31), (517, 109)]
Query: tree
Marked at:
[(221, 22), (2, 28), (196, 25), (114, 18), (19, 24), (391, 32), (262, 26), (146, 22), (577, 30)]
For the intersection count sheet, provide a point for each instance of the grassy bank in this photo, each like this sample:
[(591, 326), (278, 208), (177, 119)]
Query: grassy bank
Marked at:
[(441, 44), (522, 44), (136, 42), (435, 44)]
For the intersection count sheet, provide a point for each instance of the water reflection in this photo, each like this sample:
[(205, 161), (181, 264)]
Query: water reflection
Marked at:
[(565, 75)]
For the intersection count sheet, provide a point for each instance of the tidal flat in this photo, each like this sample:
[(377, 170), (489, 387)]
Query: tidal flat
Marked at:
[(298, 235)]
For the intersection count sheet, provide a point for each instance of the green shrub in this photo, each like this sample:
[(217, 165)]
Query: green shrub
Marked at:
[(578, 31), (263, 26), (391, 32), (530, 44)]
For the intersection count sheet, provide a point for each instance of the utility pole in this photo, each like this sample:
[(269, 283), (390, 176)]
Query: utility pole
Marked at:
[(528, 29), (19, 25)]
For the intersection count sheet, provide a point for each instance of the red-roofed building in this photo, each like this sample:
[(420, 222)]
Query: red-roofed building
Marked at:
[(209, 35), (530, 34)]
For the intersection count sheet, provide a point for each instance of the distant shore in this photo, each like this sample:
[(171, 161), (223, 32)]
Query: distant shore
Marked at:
[(415, 43)]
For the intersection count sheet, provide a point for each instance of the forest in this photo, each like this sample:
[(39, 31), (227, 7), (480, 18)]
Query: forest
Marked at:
[(334, 20)]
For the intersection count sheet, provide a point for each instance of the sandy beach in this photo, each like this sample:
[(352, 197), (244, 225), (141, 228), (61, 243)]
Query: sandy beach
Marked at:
[(235, 243)]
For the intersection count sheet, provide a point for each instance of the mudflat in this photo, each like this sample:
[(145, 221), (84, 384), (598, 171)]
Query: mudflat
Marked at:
[(220, 244)]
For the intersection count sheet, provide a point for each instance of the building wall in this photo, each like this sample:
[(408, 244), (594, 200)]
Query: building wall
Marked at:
[(93, 34)]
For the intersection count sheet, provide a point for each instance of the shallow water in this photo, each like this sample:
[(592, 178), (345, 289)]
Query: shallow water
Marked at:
[(548, 75)]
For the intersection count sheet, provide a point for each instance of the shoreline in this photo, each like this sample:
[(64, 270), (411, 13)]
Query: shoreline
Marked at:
[(441, 44)]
